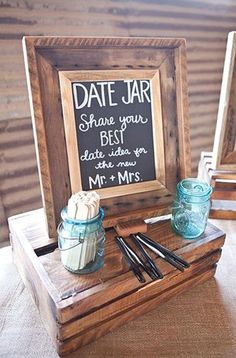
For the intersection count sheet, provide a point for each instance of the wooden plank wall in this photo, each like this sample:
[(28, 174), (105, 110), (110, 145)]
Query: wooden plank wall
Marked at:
[(19, 183), (204, 23)]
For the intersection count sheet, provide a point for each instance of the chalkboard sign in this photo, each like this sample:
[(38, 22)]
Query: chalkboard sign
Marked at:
[(111, 126)]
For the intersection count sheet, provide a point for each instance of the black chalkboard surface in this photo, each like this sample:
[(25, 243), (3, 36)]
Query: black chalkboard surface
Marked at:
[(114, 132)]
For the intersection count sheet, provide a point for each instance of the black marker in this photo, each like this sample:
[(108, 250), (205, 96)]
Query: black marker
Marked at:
[(149, 262), (134, 267), (165, 251), (161, 254)]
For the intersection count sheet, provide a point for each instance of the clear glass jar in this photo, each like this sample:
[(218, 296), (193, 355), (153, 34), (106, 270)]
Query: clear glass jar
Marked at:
[(81, 243), (191, 208)]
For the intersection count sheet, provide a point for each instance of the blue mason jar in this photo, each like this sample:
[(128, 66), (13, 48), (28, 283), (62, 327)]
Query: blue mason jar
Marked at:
[(81, 243), (191, 208)]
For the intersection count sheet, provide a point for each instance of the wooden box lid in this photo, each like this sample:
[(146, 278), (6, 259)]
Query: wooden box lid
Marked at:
[(53, 61)]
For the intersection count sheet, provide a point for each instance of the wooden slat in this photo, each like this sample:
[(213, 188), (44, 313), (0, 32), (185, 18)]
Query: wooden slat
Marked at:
[(223, 209), (224, 194), (28, 272), (134, 299), (96, 332)]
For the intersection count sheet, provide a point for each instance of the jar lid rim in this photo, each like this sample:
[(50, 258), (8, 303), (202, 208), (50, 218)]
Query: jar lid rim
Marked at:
[(201, 189)]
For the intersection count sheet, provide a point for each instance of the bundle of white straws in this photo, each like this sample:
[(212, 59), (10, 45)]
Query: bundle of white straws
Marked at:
[(82, 206)]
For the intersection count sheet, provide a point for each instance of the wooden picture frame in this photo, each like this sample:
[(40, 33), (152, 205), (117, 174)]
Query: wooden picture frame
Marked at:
[(66, 80), (224, 149), (47, 57)]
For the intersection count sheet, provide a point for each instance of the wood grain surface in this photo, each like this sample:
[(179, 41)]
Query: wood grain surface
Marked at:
[(204, 24), (133, 300), (201, 322), (115, 277), (90, 335), (223, 209), (78, 309)]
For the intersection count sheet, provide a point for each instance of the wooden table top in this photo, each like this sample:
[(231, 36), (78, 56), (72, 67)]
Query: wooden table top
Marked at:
[(199, 323)]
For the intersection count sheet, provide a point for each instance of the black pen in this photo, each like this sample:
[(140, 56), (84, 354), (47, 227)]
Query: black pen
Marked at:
[(149, 260), (166, 251), (138, 260), (134, 267), (164, 256)]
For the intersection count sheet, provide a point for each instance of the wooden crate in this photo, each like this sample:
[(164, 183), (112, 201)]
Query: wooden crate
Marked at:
[(224, 185), (79, 309)]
